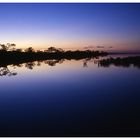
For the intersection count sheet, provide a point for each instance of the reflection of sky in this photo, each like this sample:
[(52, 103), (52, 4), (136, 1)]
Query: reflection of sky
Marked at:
[(49, 100), (71, 25), (68, 71)]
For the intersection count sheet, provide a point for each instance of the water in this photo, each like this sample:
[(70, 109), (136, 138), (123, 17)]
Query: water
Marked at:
[(69, 98)]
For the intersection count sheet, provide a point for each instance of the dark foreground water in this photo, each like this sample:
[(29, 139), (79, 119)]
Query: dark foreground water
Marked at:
[(69, 98)]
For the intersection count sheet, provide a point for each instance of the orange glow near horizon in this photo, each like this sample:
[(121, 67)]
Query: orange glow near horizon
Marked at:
[(71, 26), (80, 46)]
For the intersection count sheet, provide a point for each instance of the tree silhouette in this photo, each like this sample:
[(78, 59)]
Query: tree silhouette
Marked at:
[(30, 50), (53, 50), (17, 56), (18, 50), (60, 50), (6, 47)]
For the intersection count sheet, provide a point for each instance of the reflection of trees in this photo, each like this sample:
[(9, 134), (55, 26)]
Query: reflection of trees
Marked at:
[(124, 62), (85, 61), (119, 62), (85, 64), (17, 65), (94, 60), (53, 62), (39, 63), (30, 65), (5, 71)]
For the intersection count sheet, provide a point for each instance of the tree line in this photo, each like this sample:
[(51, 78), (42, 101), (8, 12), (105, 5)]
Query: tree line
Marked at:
[(11, 47), (10, 55)]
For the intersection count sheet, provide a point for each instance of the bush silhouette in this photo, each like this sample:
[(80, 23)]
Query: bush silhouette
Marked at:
[(6, 47), (30, 50)]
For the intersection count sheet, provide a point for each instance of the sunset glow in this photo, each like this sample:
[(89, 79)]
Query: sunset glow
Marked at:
[(71, 26)]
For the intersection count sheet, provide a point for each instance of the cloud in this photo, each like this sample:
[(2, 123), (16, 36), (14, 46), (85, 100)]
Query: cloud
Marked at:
[(89, 47), (110, 47), (100, 46)]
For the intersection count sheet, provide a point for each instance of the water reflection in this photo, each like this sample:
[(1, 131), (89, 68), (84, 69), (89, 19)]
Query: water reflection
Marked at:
[(69, 98), (95, 61), (98, 61), (53, 62), (30, 65), (6, 71), (121, 62)]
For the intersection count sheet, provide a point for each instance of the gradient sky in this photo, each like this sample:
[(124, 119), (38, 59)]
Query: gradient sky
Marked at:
[(71, 25)]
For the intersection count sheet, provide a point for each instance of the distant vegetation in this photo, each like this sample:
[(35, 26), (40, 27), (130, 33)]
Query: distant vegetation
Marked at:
[(10, 55), (6, 47), (10, 47)]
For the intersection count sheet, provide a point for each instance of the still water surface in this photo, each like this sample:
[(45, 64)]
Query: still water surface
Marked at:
[(69, 98)]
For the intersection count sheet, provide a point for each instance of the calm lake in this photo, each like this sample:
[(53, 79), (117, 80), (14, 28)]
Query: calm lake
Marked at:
[(69, 98)]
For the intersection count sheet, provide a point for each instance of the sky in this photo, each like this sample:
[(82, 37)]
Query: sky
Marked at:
[(71, 25)]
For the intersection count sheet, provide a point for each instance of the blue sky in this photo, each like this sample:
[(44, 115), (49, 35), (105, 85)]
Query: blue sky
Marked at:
[(41, 25)]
